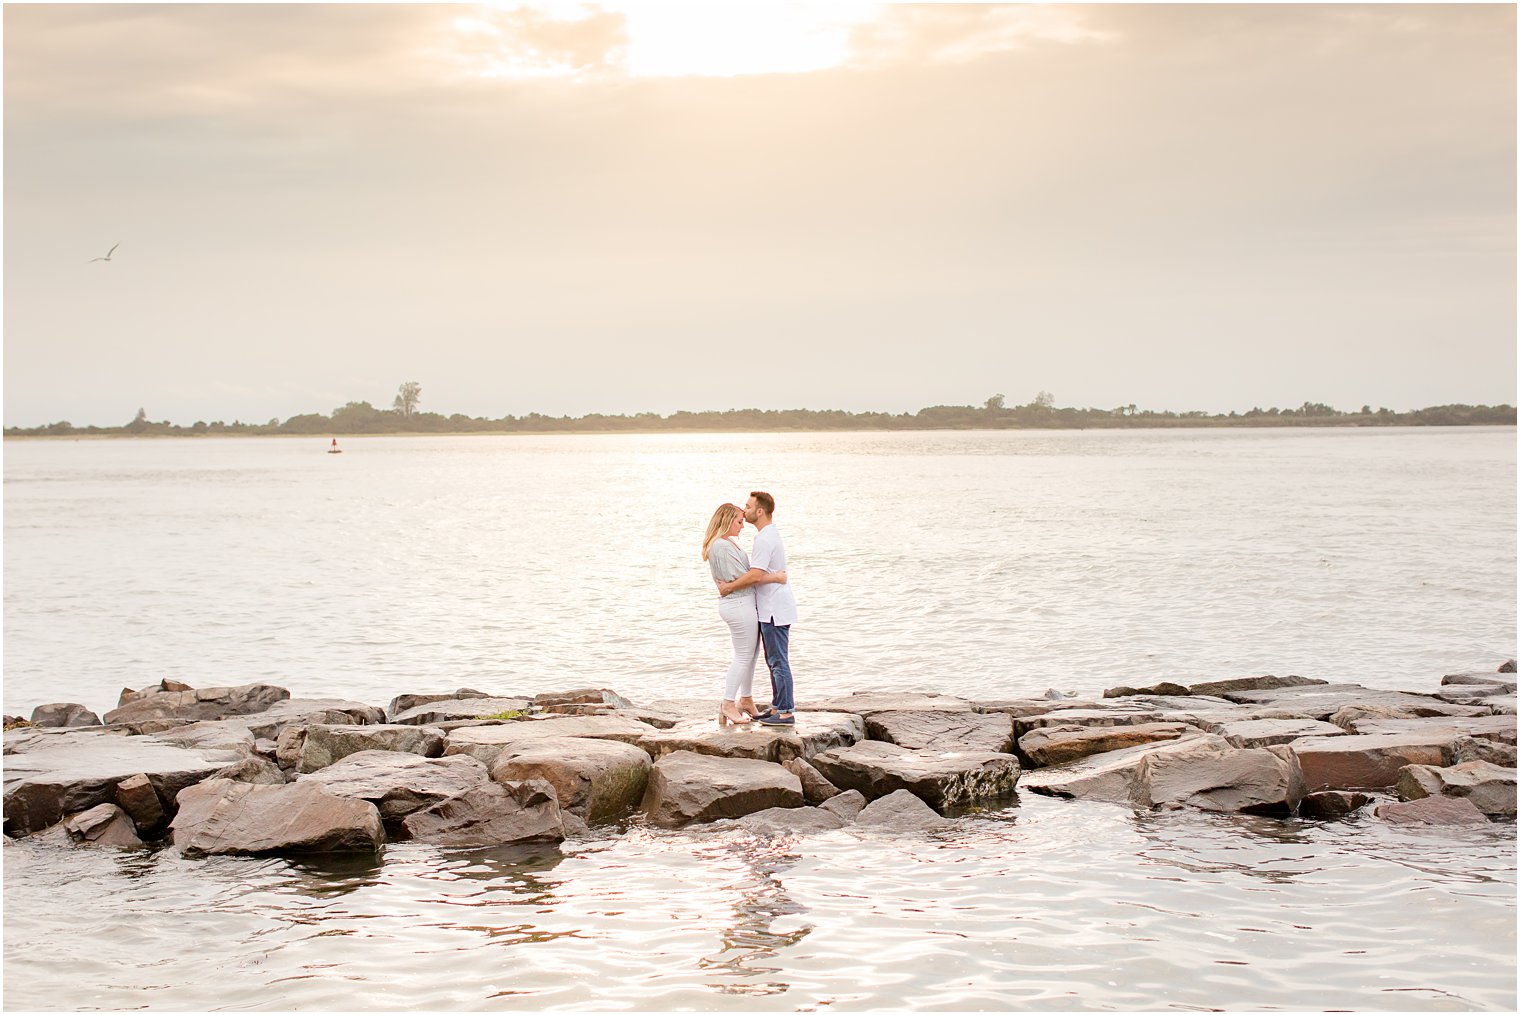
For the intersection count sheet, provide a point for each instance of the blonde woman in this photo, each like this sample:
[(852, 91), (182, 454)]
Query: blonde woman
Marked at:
[(727, 561)]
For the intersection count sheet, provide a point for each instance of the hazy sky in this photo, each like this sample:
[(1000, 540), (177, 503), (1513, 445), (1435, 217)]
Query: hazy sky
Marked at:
[(572, 208)]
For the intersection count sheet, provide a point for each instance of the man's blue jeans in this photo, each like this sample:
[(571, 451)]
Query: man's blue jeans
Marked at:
[(775, 639)]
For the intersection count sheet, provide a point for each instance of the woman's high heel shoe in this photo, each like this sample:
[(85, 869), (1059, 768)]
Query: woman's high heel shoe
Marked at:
[(725, 719)]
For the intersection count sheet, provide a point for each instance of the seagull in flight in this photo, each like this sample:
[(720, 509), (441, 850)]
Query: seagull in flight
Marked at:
[(107, 257)]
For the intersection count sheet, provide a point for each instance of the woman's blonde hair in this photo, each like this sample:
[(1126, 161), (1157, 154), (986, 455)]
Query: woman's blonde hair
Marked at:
[(721, 520)]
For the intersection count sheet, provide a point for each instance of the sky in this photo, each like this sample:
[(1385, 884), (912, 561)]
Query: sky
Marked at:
[(573, 208)]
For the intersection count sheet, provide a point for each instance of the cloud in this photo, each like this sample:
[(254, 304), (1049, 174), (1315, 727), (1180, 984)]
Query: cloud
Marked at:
[(920, 34), (531, 41)]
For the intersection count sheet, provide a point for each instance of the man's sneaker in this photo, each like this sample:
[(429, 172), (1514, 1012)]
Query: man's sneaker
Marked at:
[(777, 719)]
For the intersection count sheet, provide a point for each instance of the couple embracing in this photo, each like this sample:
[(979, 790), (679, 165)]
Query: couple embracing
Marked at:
[(757, 605)]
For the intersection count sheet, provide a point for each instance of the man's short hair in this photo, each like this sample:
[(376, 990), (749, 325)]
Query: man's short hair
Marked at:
[(766, 501)]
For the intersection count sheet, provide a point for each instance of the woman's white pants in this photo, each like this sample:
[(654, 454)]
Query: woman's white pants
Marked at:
[(744, 626)]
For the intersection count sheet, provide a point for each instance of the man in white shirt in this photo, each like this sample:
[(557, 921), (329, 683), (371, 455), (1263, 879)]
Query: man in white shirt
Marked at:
[(774, 603)]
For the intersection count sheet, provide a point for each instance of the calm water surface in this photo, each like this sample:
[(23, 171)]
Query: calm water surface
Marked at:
[(982, 564)]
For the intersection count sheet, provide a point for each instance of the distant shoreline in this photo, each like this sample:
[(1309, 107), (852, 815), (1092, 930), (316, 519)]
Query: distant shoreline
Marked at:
[(714, 432), (363, 419)]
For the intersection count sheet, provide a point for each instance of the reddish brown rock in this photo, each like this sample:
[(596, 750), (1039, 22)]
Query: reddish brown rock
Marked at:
[(137, 797), (1059, 745), (219, 817), (1267, 683), (399, 783), (486, 743), (846, 805), (868, 703), (491, 814), (1201, 771), (403, 702), (685, 788), (941, 731), (583, 696), (52, 774), (202, 703), (1321, 701), (814, 733), (1368, 761), (902, 811), (1166, 687), (942, 779), (103, 825), (815, 788), (1490, 788), (308, 748), (445, 710), (1436, 810), (1466, 748), (1269, 732), (596, 780)]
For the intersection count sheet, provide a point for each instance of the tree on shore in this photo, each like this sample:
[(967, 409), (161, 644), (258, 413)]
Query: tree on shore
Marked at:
[(407, 398)]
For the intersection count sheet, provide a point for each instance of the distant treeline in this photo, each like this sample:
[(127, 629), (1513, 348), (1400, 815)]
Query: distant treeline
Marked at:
[(364, 418)]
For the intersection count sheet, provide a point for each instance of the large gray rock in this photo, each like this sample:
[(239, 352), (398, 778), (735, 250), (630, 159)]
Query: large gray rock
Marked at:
[(1475, 694), (199, 703), (1490, 788), (254, 769), (1368, 761), (1267, 683), (582, 696), (211, 735), (815, 788), (140, 801), (1122, 713), (48, 777), (962, 730), (596, 780), (846, 805), (127, 694), (270, 723), (1321, 701), (486, 743), (64, 713), (1436, 810), (1466, 748), (685, 788), (1060, 745), (901, 810), (1166, 687), (397, 783), (1021, 707), (491, 814), (309, 748), (446, 710), (403, 702), (815, 732), (1201, 771), (789, 821), (1267, 732), (868, 703), (1498, 728), (103, 825), (219, 817), (942, 779), (1478, 680)]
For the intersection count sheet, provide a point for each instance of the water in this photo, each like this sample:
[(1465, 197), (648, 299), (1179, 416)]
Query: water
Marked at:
[(982, 564)]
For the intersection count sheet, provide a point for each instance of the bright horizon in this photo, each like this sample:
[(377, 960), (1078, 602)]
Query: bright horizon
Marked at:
[(625, 208)]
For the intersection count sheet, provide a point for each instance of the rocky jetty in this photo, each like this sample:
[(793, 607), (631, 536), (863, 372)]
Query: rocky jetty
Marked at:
[(249, 770)]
